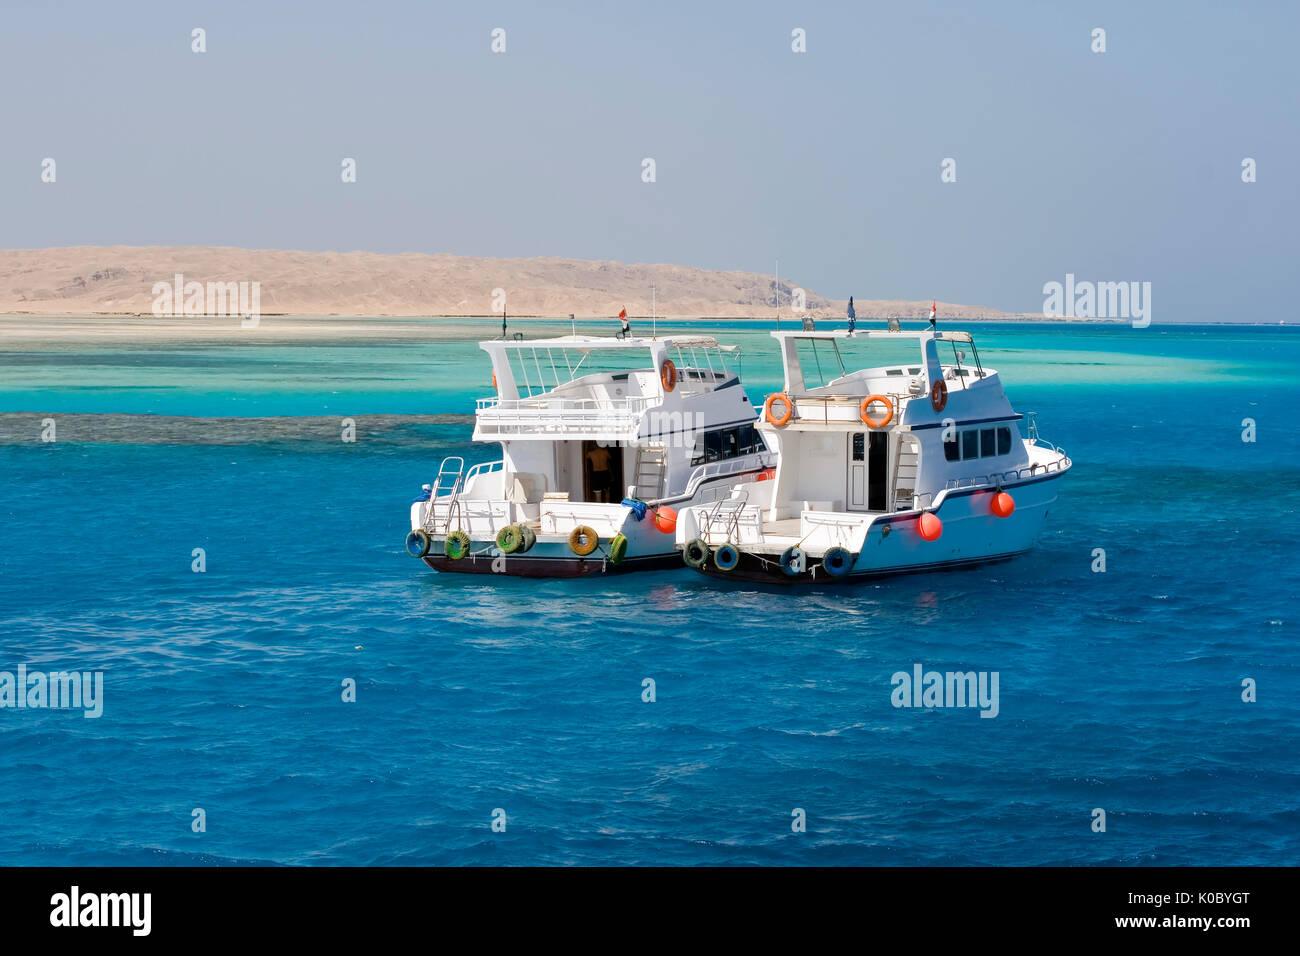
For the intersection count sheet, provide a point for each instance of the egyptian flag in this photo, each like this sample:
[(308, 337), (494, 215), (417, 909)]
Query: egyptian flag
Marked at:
[(932, 309), (622, 315), (853, 316)]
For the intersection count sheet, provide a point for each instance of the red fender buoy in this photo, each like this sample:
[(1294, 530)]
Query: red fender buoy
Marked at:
[(930, 526), (1002, 505), (666, 520)]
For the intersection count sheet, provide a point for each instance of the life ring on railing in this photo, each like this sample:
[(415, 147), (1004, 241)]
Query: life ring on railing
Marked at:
[(938, 395), (668, 375), (867, 403), (583, 540), (784, 399)]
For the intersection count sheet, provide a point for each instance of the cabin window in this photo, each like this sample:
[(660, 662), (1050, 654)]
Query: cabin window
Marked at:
[(859, 446), (978, 443), (722, 444)]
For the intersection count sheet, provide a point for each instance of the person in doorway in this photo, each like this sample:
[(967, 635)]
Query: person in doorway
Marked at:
[(598, 460)]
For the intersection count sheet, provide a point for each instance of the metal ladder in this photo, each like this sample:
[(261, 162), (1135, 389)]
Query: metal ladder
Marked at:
[(649, 472), (725, 512), (447, 479), (905, 462)]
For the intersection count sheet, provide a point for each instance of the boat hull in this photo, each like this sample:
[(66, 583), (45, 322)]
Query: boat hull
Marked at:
[(752, 570), (972, 536), (552, 566), (649, 547)]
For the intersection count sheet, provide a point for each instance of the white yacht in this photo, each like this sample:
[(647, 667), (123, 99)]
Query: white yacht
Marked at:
[(602, 441), (897, 452)]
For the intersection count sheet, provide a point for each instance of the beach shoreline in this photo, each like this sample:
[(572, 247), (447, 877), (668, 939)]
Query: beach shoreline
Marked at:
[(29, 328)]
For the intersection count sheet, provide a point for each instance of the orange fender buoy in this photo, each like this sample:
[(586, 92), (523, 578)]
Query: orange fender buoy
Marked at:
[(778, 420), (1002, 505), (930, 526), (666, 520), (668, 375), (873, 400)]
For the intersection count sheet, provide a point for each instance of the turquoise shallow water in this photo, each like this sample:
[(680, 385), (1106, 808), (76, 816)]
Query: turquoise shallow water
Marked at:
[(430, 372), (1119, 690)]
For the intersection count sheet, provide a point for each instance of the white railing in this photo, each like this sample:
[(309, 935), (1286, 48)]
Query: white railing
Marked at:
[(562, 516), (1033, 470), (731, 466), (826, 529), (837, 409), (584, 415), (731, 520), (483, 468)]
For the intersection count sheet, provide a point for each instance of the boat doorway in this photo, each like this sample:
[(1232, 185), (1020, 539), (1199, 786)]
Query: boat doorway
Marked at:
[(868, 460), (602, 472)]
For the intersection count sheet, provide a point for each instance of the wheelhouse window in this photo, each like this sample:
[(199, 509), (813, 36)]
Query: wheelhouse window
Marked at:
[(988, 443), (973, 443), (722, 444)]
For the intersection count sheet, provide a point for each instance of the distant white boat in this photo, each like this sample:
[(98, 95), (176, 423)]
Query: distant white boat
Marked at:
[(602, 441), (881, 470)]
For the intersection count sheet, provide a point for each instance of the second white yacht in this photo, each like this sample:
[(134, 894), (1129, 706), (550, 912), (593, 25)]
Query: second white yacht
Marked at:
[(884, 466), (602, 441)]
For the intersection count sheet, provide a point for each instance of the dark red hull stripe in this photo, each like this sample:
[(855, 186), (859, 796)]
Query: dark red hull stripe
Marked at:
[(752, 571), (523, 566)]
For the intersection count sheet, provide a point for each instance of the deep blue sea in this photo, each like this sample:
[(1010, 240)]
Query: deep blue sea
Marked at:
[(223, 690)]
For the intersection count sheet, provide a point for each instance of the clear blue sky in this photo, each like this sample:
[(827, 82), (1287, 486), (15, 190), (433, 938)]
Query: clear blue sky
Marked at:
[(1117, 166)]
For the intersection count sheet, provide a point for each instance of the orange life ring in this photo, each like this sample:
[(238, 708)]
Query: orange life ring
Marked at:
[(789, 409), (938, 395), (867, 419), (494, 380), (668, 375)]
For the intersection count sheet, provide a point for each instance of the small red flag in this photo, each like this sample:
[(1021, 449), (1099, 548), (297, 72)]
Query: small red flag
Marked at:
[(932, 309), (623, 313)]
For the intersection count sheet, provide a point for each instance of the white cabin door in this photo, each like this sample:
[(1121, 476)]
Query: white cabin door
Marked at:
[(857, 496)]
